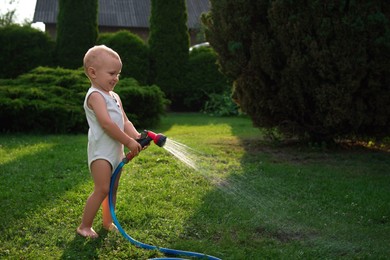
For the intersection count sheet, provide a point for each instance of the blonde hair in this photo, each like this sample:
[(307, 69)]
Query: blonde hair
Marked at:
[(93, 56)]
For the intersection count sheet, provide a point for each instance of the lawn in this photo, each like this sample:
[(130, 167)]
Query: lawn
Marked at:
[(248, 198)]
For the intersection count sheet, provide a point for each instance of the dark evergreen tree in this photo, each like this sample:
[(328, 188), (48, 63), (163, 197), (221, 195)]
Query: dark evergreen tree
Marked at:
[(317, 69), (203, 79), (77, 31), (22, 48), (169, 43), (133, 51)]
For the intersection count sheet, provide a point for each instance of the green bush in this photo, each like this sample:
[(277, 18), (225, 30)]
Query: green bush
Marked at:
[(220, 105), (316, 69), (49, 100), (23, 48), (77, 31), (46, 100), (168, 45), (133, 52), (143, 104), (203, 79)]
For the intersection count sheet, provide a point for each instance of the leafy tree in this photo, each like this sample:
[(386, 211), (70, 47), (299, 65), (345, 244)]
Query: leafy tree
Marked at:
[(77, 31), (317, 69), (169, 43), (8, 17)]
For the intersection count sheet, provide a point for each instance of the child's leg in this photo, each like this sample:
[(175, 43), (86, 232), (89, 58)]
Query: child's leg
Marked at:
[(107, 219), (101, 174)]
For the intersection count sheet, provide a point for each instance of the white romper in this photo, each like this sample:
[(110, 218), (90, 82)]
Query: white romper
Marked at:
[(100, 144)]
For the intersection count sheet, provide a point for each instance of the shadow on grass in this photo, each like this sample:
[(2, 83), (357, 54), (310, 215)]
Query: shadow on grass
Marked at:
[(288, 200), (36, 172), (34, 179), (83, 248), (273, 204)]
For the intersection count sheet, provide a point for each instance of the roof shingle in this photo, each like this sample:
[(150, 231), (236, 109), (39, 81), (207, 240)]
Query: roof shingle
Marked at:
[(121, 13)]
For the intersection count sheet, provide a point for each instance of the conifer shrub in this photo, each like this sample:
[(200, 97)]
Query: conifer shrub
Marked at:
[(203, 79), (168, 44), (77, 31), (50, 100), (23, 48), (144, 104), (220, 105), (133, 52), (313, 69)]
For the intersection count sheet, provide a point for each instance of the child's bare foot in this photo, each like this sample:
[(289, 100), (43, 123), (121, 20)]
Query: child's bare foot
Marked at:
[(87, 232), (112, 227)]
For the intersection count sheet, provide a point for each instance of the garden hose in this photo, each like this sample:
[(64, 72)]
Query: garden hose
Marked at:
[(146, 138)]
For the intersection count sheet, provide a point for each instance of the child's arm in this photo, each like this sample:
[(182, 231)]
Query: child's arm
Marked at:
[(97, 103), (129, 127)]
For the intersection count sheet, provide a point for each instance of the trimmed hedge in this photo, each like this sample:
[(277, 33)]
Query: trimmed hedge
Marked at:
[(77, 31), (168, 44), (133, 51), (203, 80), (143, 104), (23, 48), (49, 100)]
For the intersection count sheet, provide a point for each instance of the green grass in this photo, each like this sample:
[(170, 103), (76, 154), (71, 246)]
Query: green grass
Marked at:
[(249, 199)]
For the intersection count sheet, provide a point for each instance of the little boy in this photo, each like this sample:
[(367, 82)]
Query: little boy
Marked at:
[(109, 131)]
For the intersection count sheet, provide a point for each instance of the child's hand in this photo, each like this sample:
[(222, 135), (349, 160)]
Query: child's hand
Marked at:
[(134, 147), (139, 138)]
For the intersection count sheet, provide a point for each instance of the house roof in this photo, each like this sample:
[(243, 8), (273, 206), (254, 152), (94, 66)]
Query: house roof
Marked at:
[(121, 13)]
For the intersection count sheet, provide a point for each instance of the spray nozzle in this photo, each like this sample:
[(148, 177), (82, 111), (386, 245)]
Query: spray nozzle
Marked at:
[(148, 136)]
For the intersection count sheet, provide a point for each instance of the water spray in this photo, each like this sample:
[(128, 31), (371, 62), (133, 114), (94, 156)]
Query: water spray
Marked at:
[(146, 138)]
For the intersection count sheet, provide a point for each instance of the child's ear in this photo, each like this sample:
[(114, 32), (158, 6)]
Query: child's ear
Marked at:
[(91, 72)]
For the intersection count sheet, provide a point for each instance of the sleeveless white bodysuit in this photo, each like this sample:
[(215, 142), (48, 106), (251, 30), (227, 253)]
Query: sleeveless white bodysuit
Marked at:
[(100, 144)]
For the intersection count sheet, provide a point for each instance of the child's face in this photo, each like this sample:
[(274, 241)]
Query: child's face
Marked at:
[(106, 73)]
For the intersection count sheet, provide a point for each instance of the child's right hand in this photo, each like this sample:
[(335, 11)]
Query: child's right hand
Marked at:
[(134, 147)]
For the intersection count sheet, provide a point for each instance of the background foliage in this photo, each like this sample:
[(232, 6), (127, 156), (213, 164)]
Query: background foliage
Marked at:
[(220, 105), (203, 85), (203, 79), (197, 82), (133, 51), (23, 48), (169, 43), (318, 70), (144, 104), (49, 100), (77, 31), (311, 68)]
